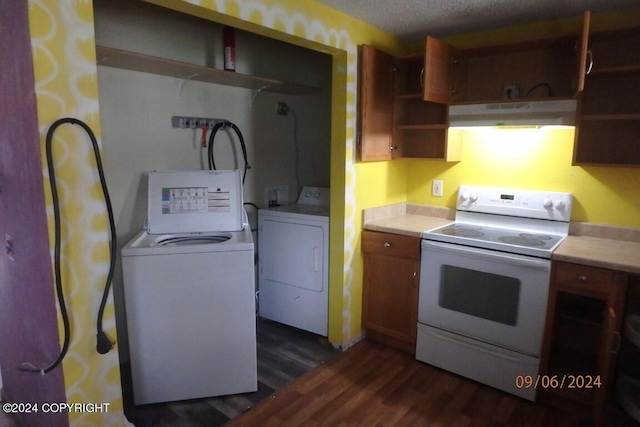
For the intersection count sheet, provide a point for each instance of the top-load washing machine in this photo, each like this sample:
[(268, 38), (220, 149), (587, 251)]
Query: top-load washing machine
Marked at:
[(189, 288), (293, 252)]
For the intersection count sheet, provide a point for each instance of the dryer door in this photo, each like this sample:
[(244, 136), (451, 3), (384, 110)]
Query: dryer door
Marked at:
[(292, 254)]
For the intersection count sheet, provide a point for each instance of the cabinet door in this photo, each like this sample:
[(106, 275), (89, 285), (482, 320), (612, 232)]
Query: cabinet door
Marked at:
[(390, 288), (391, 296), (582, 46), (582, 333), (376, 104), (439, 74)]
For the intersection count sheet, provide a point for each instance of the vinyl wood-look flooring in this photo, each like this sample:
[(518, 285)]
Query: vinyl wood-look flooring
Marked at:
[(374, 385)]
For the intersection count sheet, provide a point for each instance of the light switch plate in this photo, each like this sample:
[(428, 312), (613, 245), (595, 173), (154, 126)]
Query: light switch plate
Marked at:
[(436, 188)]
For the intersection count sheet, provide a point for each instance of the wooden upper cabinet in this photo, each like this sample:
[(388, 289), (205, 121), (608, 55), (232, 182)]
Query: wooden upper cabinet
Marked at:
[(608, 119), (536, 69), (438, 78), (376, 104), (582, 48)]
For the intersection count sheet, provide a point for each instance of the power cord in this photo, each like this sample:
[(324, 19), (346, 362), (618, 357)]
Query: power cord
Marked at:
[(227, 125), (104, 344), (534, 87)]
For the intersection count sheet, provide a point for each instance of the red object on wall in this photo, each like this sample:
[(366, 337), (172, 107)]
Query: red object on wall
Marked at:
[(229, 43)]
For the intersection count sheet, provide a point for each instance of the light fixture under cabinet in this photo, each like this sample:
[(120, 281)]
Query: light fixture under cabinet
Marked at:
[(528, 114)]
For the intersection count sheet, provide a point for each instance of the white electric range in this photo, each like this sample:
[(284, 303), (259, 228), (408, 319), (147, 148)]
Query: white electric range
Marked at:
[(484, 284)]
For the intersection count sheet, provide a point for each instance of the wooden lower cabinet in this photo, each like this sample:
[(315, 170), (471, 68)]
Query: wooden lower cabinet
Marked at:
[(390, 289), (582, 336)]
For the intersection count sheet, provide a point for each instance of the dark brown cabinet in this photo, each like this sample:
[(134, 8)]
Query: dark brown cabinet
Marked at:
[(608, 120), (540, 69), (395, 121), (582, 334), (390, 288)]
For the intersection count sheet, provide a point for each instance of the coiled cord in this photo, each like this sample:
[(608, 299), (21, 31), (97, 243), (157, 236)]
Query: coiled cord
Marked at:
[(103, 344)]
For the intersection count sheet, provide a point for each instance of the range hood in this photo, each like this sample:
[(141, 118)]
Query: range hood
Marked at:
[(560, 112)]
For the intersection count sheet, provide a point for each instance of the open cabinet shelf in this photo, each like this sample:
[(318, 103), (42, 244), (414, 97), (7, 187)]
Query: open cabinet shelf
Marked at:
[(118, 58), (608, 119)]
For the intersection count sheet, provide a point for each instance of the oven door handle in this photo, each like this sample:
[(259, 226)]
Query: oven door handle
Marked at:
[(512, 259)]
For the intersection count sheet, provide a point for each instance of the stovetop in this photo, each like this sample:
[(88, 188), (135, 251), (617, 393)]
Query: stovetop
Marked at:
[(525, 242), (526, 222)]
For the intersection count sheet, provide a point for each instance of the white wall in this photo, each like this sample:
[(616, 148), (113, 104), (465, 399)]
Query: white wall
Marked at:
[(136, 108)]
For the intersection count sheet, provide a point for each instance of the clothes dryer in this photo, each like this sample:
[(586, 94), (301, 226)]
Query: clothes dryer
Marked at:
[(189, 287), (293, 252)]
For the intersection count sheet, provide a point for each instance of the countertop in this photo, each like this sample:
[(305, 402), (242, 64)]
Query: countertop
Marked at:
[(618, 255), (596, 245), (408, 224)]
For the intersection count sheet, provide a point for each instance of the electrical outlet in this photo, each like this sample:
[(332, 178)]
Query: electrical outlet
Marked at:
[(436, 188), (283, 108), (276, 195), (510, 92)]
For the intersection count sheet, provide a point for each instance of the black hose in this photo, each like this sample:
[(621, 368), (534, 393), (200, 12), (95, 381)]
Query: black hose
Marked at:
[(227, 125), (104, 344)]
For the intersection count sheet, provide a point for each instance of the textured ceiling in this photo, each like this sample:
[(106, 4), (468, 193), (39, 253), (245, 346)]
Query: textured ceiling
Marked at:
[(412, 20)]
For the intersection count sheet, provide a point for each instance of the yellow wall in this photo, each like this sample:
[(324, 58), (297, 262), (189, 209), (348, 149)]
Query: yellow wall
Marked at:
[(532, 159), (65, 75)]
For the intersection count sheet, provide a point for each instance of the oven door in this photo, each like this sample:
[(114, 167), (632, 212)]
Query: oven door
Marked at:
[(491, 296)]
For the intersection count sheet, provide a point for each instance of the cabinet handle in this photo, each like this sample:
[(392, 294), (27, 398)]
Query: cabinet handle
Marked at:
[(422, 78), (393, 147), (413, 280), (590, 66), (387, 245), (582, 278)]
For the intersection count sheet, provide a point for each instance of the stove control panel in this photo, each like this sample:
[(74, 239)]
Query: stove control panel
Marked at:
[(517, 203)]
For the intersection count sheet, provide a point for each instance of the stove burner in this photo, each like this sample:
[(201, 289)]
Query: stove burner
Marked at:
[(536, 236), (458, 230), (522, 240)]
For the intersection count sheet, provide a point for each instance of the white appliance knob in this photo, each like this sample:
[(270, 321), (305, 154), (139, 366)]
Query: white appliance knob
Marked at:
[(560, 205), (307, 194), (474, 197), (465, 196), (548, 204), (316, 194)]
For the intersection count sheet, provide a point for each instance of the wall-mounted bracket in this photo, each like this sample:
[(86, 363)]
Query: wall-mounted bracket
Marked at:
[(180, 81), (184, 122)]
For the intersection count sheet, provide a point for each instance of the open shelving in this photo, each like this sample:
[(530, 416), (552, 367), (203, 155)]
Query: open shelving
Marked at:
[(608, 120), (133, 61)]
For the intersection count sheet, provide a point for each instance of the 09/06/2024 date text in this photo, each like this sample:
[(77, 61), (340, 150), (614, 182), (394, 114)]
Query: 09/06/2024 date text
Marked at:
[(558, 381)]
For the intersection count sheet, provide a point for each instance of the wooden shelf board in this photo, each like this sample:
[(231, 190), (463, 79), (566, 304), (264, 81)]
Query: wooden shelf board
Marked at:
[(118, 58), (409, 96), (423, 127), (627, 69), (609, 117)]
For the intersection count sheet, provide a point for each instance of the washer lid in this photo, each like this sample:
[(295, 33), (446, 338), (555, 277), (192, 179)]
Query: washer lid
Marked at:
[(194, 201)]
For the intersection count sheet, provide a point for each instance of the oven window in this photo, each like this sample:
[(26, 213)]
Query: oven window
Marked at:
[(485, 295)]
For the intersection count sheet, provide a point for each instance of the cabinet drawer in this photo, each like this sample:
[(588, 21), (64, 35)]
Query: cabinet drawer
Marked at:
[(584, 279), (391, 244)]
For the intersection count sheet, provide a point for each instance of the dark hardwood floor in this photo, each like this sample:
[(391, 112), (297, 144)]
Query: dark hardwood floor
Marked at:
[(374, 385)]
